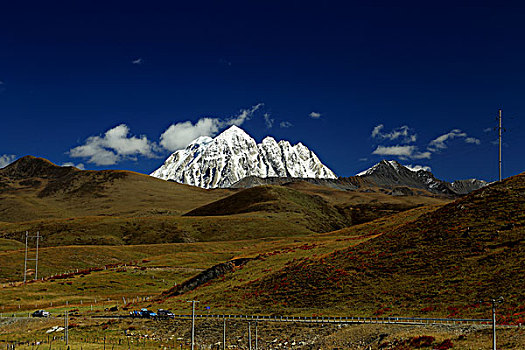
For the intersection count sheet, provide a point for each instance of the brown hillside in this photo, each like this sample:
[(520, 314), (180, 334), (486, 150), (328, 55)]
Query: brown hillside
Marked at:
[(441, 263), (326, 209), (320, 215), (34, 188), (71, 206)]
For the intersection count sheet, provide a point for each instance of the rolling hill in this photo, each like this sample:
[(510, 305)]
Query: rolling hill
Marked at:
[(70, 207), (437, 263), (34, 188), (443, 262), (428, 261)]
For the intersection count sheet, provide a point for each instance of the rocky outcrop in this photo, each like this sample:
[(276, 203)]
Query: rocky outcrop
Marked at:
[(206, 276)]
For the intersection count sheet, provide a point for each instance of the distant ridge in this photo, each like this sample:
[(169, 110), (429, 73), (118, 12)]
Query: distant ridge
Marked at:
[(392, 173), (386, 175), (30, 166)]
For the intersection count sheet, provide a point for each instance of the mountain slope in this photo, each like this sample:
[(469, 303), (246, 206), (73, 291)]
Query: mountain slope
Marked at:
[(70, 206), (320, 216), (34, 188), (389, 174), (387, 177), (233, 155), (441, 263)]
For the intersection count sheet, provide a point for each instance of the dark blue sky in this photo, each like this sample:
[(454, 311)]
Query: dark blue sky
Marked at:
[(71, 70)]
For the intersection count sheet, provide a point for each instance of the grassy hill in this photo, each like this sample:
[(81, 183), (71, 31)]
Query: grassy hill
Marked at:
[(70, 207), (153, 263), (435, 263), (441, 263), (318, 214), (312, 250), (34, 188)]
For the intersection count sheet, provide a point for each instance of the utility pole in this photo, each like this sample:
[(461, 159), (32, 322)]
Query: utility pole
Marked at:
[(249, 335), (256, 347), (224, 333), (36, 255), (66, 327), (493, 302), (499, 135), (25, 260), (493, 324), (192, 322)]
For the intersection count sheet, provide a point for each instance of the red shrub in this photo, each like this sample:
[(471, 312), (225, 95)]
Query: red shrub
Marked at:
[(422, 341), (445, 344)]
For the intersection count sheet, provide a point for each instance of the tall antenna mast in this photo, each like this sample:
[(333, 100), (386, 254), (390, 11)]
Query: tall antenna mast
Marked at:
[(499, 132)]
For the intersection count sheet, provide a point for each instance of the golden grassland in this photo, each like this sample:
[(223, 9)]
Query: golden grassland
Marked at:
[(72, 207), (314, 251)]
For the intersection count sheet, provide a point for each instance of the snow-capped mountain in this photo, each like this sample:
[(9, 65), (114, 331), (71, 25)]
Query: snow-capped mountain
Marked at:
[(391, 173), (221, 161)]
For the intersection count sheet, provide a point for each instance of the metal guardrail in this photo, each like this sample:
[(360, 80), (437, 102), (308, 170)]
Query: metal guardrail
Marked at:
[(313, 319), (328, 319), (342, 319)]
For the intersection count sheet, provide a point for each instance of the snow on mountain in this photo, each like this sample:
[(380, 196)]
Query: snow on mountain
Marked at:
[(391, 173), (221, 161)]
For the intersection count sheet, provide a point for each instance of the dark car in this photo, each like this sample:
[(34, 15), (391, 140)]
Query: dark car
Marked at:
[(134, 314), (41, 313), (147, 313), (143, 313), (165, 313)]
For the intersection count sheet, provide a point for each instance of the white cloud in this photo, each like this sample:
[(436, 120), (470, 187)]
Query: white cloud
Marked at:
[(440, 142), (268, 121), (403, 133), (418, 167), (179, 135), (487, 129), (404, 151), (377, 130), (245, 115), (421, 155), (6, 159), (285, 124), (315, 115), (401, 151), (78, 166), (137, 61), (472, 140), (113, 147)]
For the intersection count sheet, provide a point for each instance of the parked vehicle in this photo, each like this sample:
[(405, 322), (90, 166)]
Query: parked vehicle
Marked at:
[(147, 313), (135, 314), (165, 313), (143, 313), (41, 313)]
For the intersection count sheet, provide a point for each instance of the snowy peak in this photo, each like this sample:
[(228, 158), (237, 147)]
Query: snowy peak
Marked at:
[(390, 173), (385, 167), (234, 133), (233, 155)]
